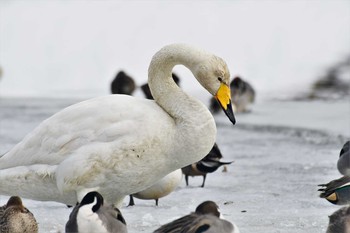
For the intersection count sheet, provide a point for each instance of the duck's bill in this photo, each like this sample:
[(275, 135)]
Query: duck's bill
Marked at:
[(223, 96)]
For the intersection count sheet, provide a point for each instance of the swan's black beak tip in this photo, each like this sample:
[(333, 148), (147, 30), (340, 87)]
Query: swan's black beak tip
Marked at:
[(229, 113)]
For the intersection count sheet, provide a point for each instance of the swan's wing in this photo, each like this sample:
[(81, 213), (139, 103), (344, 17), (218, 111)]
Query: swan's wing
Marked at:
[(99, 120)]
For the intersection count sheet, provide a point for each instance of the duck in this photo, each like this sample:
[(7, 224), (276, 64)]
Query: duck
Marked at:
[(205, 219), (209, 164), (147, 92), (92, 215), (162, 188), (343, 163), (242, 93), (339, 221), (120, 140), (123, 84), (338, 191), (16, 218)]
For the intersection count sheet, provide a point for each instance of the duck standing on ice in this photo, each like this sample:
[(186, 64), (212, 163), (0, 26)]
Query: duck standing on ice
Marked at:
[(118, 144)]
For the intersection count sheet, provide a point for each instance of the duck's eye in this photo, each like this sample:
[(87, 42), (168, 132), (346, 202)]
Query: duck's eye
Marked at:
[(220, 79)]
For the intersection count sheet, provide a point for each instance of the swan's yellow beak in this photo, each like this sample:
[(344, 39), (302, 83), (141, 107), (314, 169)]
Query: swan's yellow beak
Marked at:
[(223, 96)]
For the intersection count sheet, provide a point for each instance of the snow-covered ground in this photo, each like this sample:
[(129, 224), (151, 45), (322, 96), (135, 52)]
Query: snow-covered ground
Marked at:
[(282, 151)]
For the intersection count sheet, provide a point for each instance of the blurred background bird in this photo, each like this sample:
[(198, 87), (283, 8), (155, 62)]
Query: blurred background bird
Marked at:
[(123, 84)]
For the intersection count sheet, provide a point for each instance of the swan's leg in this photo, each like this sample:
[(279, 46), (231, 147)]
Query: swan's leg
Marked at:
[(131, 201)]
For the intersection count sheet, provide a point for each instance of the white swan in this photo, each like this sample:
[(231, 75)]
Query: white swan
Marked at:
[(118, 144)]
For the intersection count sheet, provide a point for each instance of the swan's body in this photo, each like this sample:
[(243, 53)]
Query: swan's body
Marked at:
[(160, 189), (118, 144)]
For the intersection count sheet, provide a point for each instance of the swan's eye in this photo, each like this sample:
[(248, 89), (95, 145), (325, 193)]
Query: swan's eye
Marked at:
[(220, 79)]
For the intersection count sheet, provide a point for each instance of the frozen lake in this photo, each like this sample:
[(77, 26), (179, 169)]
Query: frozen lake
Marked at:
[(282, 151)]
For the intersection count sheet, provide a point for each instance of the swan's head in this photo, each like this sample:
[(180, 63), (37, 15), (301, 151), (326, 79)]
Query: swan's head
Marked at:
[(214, 76)]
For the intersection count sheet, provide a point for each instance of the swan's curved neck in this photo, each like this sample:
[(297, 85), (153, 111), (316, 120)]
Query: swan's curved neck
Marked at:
[(163, 88), (189, 114)]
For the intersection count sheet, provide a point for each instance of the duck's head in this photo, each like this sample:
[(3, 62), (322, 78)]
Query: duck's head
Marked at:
[(94, 199), (208, 207), (14, 201), (345, 149), (214, 76)]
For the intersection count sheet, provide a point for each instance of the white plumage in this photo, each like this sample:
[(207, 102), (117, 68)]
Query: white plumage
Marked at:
[(161, 188), (117, 144)]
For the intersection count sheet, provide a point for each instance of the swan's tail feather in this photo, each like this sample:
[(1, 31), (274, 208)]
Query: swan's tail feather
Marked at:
[(37, 182)]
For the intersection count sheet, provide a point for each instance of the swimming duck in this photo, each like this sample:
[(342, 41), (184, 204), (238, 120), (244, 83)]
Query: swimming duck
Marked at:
[(120, 140), (123, 84), (206, 219), (15, 218), (160, 189), (147, 91), (339, 221), (93, 215), (338, 191), (209, 164)]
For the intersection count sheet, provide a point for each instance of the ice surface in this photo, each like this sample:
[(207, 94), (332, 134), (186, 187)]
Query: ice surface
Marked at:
[(282, 151)]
